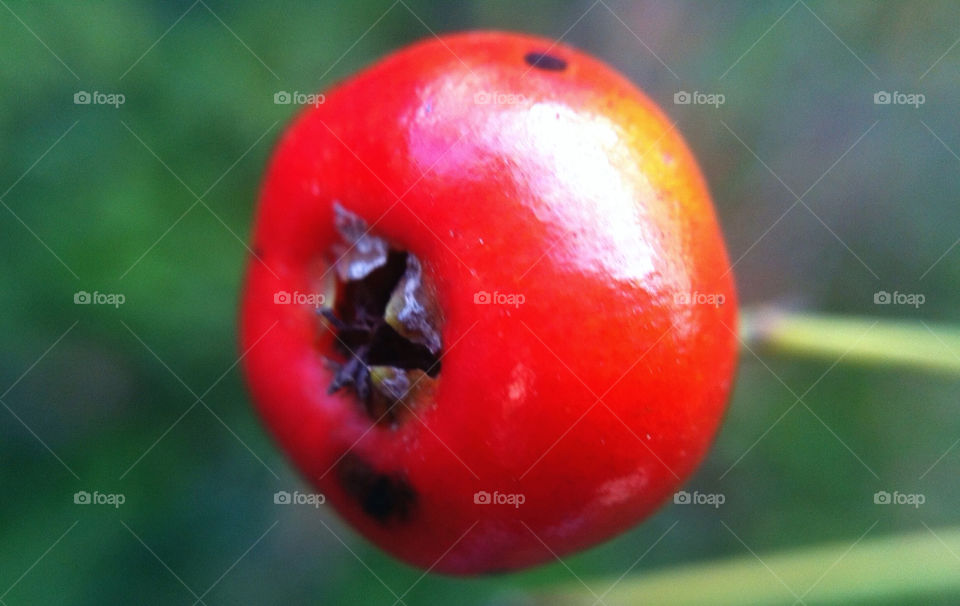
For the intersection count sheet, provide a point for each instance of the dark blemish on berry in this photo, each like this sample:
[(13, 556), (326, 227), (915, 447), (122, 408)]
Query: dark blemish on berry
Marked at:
[(385, 497), (257, 252), (545, 61)]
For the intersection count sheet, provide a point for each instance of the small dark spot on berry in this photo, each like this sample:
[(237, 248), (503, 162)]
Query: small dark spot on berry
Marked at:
[(385, 497), (257, 252), (546, 61)]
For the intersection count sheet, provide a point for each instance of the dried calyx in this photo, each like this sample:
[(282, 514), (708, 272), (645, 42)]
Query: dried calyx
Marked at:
[(385, 321)]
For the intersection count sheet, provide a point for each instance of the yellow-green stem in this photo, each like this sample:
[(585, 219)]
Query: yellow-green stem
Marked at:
[(860, 340), (888, 570)]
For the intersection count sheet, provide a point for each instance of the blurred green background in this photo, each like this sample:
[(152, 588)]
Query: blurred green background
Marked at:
[(153, 200)]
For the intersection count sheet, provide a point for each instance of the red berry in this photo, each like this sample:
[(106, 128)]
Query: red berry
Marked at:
[(526, 328)]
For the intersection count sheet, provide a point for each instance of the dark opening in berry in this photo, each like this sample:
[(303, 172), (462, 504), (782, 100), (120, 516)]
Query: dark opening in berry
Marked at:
[(384, 321)]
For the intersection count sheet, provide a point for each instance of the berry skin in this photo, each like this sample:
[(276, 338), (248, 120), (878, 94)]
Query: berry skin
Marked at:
[(490, 309)]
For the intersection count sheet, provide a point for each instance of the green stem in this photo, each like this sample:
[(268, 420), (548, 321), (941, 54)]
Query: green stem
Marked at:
[(887, 570), (911, 343)]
